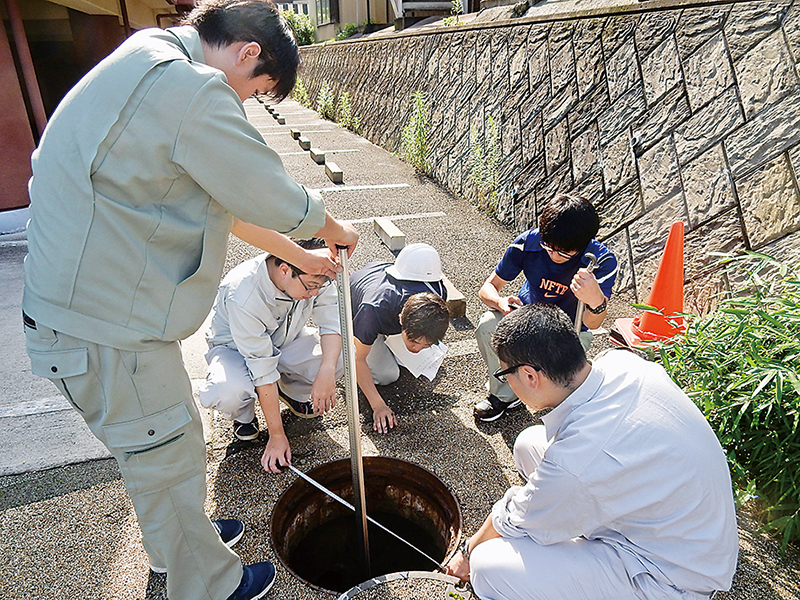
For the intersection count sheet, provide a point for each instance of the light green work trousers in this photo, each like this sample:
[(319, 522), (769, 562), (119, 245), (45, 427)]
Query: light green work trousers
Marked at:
[(483, 334), (140, 405)]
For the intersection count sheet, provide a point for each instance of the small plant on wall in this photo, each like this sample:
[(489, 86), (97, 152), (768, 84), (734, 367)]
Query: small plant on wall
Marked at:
[(326, 102), (415, 135), (345, 116), (300, 93), (484, 161), (455, 12)]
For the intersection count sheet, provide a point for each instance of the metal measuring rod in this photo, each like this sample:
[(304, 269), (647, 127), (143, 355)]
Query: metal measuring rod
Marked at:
[(581, 306), (351, 396)]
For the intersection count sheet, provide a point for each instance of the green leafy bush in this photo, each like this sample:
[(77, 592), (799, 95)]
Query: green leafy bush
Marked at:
[(344, 114), (326, 102), (484, 165), (455, 11), (741, 366), (349, 30), (414, 136), (300, 93), (301, 26)]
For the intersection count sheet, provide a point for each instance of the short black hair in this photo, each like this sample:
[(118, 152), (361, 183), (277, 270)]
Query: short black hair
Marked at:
[(568, 222), (224, 22), (425, 316), (542, 336), (307, 244)]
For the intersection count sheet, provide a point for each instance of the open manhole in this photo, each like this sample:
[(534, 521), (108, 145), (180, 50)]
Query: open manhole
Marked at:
[(315, 536)]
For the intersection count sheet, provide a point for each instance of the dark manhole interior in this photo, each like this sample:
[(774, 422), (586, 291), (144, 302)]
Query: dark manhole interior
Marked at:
[(315, 536)]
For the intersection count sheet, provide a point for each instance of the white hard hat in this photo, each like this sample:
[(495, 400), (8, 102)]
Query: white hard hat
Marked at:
[(417, 262)]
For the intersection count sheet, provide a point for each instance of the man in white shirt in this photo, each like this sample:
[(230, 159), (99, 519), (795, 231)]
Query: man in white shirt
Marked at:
[(628, 492), (260, 348)]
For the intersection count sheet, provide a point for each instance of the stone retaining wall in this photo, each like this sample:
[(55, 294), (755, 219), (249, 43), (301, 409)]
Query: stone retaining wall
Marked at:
[(679, 113)]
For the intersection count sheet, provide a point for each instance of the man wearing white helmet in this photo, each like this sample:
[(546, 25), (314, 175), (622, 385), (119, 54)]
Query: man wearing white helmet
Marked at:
[(406, 298)]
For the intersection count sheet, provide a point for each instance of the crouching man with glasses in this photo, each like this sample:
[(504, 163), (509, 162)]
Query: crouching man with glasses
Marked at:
[(260, 348), (627, 491)]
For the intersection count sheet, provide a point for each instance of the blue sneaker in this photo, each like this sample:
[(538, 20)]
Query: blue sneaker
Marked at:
[(257, 579), (230, 530)]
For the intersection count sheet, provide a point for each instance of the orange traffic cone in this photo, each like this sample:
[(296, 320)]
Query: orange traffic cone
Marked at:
[(666, 296)]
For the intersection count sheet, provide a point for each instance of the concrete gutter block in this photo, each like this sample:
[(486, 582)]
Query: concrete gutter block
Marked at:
[(389, 233), (304, 142), (456, 303), (295, 133), (333, 172), (281, 120), (317, 156)]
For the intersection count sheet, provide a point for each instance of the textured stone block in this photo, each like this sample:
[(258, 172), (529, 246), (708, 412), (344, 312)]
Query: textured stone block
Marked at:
[(766, 74), (621, 113), (586, 33), (558, 106), (658, 173), (304, 142), (707, 186), (770, 202), (618, 163), (586, 110), (518, 59), (531, 176), (525, 213), (586, 155), (697, 26), (560, 32), (317, 155), (708, 126), (499, 62), (721, 234), (661, 71), (769, 133), (590, 68), (333, 172), (616, 31), (786, 249), (562, 68), (510, 132), (620, 209), (619, 246), (708, 72), (792, 28), (590, 188), (750, 22), (652, 28), (389, 233), (538, 69), (649, 233), (483, 65), (622, 72), (456, 303), (560, 181), (556, 146), (532, 140), (661, 119)]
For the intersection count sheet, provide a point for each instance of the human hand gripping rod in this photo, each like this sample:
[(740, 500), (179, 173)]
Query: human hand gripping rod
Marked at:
[(351, 396), (581, 306)]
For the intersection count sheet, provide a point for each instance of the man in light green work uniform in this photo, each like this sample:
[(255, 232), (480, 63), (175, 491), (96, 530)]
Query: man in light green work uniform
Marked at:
[(144, 169)]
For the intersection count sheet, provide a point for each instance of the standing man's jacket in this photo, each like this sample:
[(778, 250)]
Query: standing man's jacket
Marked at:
[(94, 191)]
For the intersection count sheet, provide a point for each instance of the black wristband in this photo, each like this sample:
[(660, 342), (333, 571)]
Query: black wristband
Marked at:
[(599, 309)]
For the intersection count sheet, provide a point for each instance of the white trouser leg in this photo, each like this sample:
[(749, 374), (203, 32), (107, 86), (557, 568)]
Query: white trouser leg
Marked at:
[(299, 364), (483, 335), (228, 387)]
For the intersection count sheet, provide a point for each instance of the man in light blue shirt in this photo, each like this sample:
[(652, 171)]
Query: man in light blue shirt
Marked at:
[(628, 492)]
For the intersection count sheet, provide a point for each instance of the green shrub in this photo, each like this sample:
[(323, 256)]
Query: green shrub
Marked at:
[(484, 165), (344, 114), (326, 102), (414, 136), (349, 30), (300, 93), (455, 11), (741, 366), (301, 26)]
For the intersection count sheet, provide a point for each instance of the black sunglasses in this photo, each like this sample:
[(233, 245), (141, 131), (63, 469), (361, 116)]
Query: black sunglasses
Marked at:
[(500, 375)]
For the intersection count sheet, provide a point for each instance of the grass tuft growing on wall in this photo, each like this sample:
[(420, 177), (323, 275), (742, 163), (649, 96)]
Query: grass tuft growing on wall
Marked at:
[(414, 136)]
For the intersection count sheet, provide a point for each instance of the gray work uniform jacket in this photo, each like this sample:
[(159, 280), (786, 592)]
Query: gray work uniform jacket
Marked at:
[(135, 186)]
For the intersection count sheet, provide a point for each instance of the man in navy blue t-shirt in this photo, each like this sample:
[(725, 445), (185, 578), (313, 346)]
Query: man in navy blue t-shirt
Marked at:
[(553, 259)]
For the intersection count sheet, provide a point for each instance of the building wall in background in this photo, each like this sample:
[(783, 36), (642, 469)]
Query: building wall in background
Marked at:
[(688, 114)]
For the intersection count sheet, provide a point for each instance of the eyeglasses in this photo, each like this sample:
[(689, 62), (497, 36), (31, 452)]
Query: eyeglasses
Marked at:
[(500, 374), (566, 255), (313, 288)]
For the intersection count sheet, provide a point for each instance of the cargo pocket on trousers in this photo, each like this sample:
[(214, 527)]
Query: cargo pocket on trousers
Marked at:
[(60, 365), (150, 433)]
